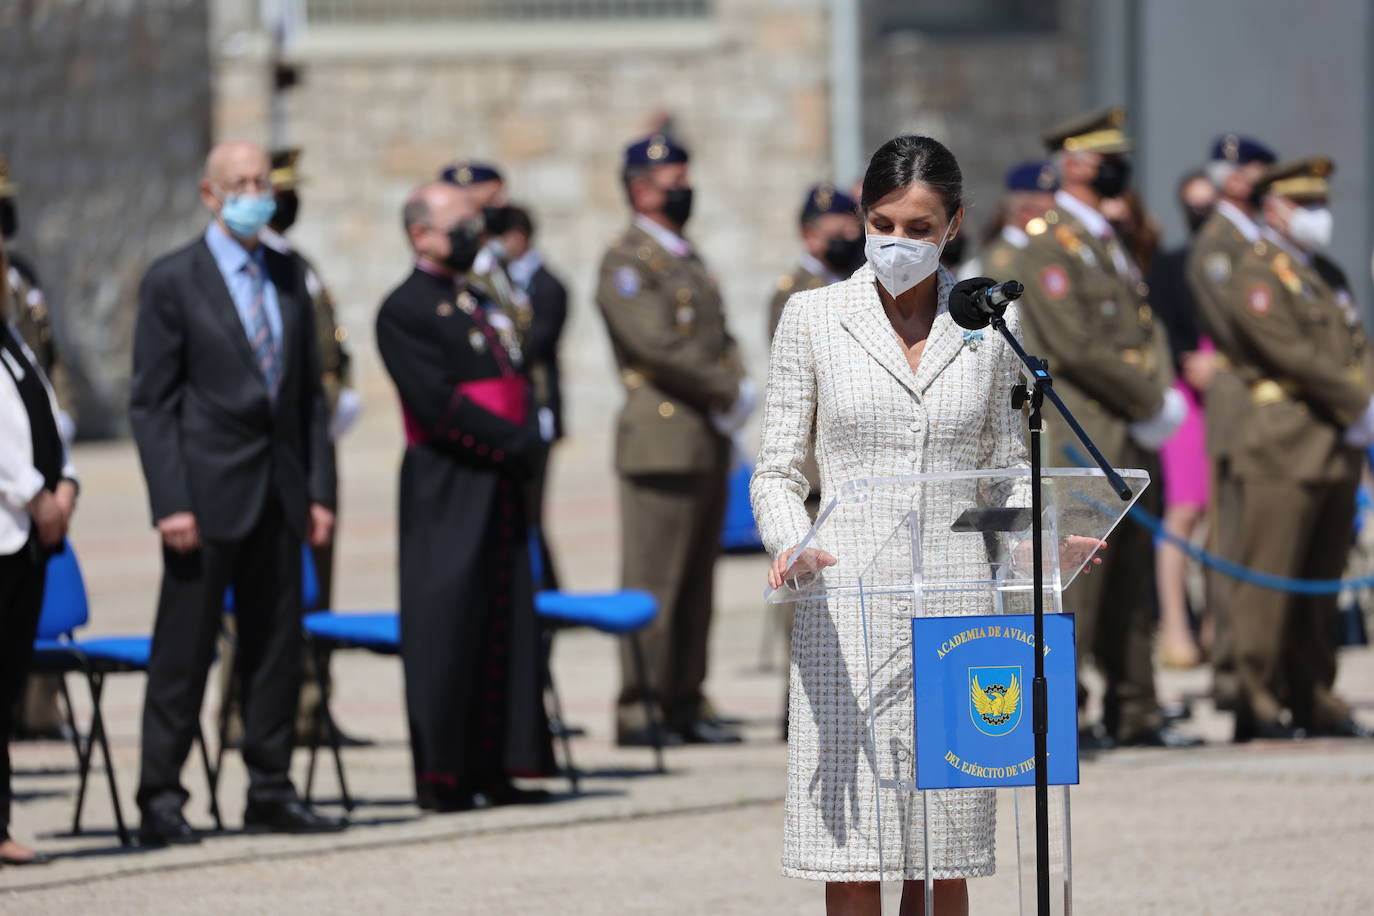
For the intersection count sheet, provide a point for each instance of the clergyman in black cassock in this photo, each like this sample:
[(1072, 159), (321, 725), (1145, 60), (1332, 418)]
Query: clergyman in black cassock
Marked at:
[(470, 642)]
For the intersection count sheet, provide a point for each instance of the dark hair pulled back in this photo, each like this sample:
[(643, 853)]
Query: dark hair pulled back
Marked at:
[(903, 160)]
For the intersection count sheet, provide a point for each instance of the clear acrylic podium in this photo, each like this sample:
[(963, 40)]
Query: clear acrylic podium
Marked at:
[(940, 545)]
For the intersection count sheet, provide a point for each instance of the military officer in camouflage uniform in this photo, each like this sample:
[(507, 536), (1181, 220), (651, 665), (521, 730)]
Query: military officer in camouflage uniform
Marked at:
[(41, 717), (832, 247), (1085, 311), (685, 394), (1030, 188), (1298, 340), (1224, 240), (344, 406)]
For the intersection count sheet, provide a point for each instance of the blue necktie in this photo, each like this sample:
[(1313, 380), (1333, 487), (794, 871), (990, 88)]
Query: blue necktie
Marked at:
[(260, 332)]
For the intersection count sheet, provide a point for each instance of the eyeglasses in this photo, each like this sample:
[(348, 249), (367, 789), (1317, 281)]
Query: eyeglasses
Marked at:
[(261, 185)]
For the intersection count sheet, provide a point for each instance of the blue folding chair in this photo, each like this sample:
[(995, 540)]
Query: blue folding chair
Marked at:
[(310, 596), (620, 613), (739, 533), (57, 650), (325, 631)]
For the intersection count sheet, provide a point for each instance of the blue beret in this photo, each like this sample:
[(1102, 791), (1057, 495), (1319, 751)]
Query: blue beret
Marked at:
[(467, 172), (1240, 150), (823, 198), (1031, 175), (659, 149)]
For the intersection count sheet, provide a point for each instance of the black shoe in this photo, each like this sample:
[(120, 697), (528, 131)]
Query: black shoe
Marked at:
[(507, 793), (644, 737), (165, 828), (454, 803), (288, 817), (1094, 738), (709, 733), (1347, 728), (306, 739), (560, 729), (1164, 736), (1250, 730)]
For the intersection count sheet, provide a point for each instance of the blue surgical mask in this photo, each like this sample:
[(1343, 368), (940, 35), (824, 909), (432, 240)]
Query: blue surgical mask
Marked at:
[(246, 214)]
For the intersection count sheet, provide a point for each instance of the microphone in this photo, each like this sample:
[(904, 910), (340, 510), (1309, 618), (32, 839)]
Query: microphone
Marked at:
[(974, 302)]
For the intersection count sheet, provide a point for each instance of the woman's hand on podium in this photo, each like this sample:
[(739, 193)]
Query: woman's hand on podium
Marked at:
[(1075, 548), (805, 568)]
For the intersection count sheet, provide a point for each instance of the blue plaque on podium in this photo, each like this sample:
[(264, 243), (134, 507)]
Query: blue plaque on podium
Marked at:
[(973, 701)]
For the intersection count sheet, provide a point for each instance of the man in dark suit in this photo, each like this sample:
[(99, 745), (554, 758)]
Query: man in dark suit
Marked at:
[(229, 418)]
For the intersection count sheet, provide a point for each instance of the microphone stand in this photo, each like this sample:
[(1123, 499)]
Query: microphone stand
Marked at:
[(1040, 388)]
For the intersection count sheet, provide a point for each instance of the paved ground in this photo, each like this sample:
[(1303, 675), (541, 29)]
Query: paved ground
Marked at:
[(1225, 829)]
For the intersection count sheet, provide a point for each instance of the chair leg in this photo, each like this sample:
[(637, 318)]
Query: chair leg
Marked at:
[(83, 756), (97, 683), (314, 743), (226, 704), (211, 778), (321, 661), (650, 711), (569, 767), (71, 715)]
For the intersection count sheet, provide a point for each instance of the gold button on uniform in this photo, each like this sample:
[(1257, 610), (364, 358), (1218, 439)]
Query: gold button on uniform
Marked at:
[(666, 410)]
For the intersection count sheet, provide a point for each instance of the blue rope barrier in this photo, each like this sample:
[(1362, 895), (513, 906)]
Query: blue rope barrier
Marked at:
[(1155, 526)]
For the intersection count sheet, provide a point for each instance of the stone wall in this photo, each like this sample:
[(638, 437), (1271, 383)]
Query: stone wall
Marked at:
[(988, 96), (380, 110), (106, 123)]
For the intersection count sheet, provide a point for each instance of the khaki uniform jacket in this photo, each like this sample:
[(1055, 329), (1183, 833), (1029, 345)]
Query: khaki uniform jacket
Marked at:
[(799, 279), (998, 259), (1309, 362), (1213, 261), (336, 365), (677, 360), (1109, 358)]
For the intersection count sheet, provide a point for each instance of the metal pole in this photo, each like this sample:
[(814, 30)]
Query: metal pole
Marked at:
[(846, 92), (1040, 710)]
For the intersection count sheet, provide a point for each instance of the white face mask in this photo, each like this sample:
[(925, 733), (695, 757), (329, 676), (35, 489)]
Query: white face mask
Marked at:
[(900, 264), (1310, 227)]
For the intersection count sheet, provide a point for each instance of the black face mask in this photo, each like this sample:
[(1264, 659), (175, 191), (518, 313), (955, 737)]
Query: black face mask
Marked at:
[(1195, 217), (9, 217), (844, 256), (465, 240), (1113, 177), (677, 205), (496, 219), (288, 209)]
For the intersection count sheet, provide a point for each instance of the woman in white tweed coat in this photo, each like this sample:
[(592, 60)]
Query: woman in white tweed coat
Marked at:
[(890, 386)]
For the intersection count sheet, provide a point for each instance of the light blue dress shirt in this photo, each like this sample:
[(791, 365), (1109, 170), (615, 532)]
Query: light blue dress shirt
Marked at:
[(232, 259)]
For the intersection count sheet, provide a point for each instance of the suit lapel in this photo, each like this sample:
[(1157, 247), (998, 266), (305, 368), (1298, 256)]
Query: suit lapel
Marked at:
[(868, 324), (280, 273), (946, 338), (211, 282)]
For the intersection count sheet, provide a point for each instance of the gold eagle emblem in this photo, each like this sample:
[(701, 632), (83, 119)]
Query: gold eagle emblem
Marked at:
[(996, 703)]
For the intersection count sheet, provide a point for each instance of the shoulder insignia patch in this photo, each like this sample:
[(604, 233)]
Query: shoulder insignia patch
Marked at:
[(1055, 282), (1259, 300), (1218, 267), (627, 281)]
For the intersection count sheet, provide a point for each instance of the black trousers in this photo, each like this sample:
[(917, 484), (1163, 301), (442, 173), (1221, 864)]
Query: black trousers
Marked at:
[(265, 570), (21, 600)]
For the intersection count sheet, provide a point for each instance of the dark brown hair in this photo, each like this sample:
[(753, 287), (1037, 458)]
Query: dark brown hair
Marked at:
[(901, 161)]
